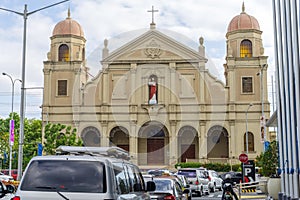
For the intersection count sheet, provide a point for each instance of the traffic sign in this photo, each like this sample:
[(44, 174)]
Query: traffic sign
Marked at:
[(243, 158)]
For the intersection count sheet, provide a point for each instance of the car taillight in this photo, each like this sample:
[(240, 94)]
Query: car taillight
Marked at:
[(197, 182), (169, 197), (15, 198)]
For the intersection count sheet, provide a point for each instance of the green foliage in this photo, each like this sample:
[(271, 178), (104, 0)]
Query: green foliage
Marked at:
[(59, 134), (268, 160), (55, 135), (219, 167)]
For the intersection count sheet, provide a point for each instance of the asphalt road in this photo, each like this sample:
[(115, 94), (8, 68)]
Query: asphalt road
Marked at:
[(244, 196)]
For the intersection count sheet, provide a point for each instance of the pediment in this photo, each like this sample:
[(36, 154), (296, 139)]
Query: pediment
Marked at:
[(153, 46)]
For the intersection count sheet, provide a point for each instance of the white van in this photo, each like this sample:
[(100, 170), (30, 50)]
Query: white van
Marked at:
[(79, 173)]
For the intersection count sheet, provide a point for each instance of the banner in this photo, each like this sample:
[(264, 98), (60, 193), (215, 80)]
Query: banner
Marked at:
[(262, 128), (12, 132)]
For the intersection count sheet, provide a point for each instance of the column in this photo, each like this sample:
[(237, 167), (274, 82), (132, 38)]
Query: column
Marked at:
[(202, 140), (173, 145), (232, 141), (133, 144)]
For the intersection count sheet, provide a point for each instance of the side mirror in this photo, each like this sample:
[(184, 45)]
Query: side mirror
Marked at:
[(151, 186), (186, 191)]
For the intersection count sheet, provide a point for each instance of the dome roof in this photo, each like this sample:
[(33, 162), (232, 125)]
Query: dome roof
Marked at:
[(67, 27), (243, 21)]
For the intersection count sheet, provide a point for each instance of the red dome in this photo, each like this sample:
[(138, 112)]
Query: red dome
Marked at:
[(67, 27), (243, 21)]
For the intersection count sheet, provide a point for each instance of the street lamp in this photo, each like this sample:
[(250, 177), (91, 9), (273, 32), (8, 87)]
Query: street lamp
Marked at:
[(247, 147), (25, 14), (11, 123), (263, 120)]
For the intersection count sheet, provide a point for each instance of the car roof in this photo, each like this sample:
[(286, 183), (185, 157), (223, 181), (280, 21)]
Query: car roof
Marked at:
[(80, 157)]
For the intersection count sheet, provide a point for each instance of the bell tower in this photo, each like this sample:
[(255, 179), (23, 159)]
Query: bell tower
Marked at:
[(65, 71), (245, 60)]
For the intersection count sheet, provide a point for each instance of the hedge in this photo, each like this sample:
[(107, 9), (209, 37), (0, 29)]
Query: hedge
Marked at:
[(218, 167)]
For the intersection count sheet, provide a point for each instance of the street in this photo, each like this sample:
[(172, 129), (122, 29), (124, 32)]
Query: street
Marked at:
[(218, 195)]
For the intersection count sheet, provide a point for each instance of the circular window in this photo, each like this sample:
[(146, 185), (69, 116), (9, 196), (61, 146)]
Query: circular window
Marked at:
[(91, 136)]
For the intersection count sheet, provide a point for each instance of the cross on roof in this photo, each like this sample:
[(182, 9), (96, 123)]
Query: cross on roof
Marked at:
[(153, 11)]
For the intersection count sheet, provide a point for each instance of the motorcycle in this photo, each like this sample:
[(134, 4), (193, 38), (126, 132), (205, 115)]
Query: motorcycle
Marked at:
[(227, 187)]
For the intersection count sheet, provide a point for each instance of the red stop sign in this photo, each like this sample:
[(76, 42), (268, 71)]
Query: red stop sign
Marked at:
[(243, 158)]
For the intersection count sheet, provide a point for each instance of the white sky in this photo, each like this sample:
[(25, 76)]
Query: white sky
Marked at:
[(109, 19)]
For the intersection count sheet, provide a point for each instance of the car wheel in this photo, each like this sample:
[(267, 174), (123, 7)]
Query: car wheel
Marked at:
[(212, 189)]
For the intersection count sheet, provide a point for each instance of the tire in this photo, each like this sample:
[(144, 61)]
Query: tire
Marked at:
[(212, 190)]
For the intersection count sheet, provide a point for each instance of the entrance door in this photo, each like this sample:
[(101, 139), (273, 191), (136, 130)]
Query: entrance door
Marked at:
[(187, 151), (124, 146), (155, 151)]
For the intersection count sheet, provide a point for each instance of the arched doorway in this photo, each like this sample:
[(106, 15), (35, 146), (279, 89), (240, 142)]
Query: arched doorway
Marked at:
[(217, 142), (188, 143), (91, 137), (153, 144), (119, 137)]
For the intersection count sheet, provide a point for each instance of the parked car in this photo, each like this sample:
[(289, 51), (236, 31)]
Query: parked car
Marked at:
[(167, 188), (193, 176), (14, 173), (185, 185), (215, 179), (6, 191), (237, 177), (83, 173), (158, 172), (4, 177), (208, 185)]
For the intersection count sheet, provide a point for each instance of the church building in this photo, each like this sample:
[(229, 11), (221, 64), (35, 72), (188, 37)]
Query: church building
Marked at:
[(156, 97)]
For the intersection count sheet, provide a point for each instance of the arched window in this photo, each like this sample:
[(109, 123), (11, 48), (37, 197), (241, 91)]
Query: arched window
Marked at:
[(246, 49), (83, 54), (63, 53), (153, 89), (250, 142)]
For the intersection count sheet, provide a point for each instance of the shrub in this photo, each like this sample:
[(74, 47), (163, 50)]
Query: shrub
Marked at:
[(219, 167)]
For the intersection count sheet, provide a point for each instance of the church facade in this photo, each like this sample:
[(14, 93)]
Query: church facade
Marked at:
[(156, 98)]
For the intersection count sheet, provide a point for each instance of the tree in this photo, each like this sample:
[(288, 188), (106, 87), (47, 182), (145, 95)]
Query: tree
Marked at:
[(57, 135), (268, 160)]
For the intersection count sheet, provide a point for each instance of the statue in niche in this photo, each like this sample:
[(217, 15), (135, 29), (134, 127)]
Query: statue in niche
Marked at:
[(152, 91)]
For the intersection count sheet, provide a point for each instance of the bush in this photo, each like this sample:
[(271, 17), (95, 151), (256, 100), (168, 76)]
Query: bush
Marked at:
[(268, 160), (218, 167)]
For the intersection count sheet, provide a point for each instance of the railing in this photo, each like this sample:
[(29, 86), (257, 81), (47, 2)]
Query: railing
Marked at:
[(249, 187)]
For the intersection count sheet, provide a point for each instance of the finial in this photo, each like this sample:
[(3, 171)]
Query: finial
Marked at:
[(69, 13), (243, 7), (201, 40)]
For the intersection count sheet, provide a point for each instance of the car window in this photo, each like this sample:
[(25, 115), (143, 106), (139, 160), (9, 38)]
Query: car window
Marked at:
[(188, 173), (65, 175), (121, 178), (162, 185), (178, 188), (135, 178)]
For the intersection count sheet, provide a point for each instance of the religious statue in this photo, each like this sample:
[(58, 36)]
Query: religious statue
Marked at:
[(152, 91)]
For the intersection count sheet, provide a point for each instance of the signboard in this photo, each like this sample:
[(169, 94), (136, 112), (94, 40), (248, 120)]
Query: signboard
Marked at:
[(249, 171), (243, 157), (11, 132)]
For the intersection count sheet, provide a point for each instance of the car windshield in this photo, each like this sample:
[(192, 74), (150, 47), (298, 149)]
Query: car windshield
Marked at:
[(188, 173), (65, 175), (162, 184)]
